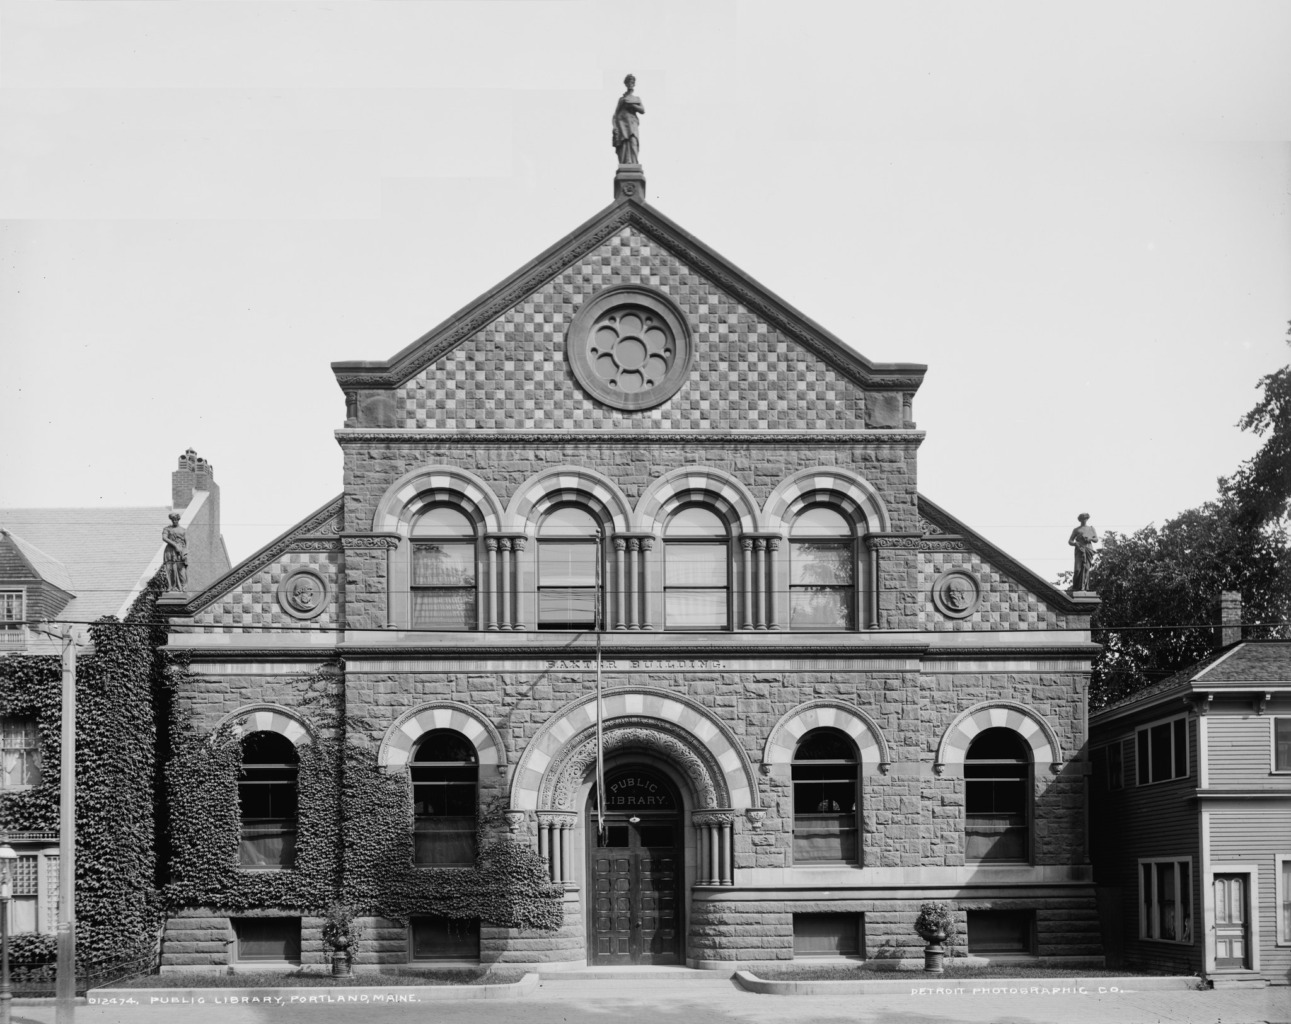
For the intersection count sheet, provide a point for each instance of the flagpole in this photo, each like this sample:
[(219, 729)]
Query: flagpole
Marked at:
[(600, 745)]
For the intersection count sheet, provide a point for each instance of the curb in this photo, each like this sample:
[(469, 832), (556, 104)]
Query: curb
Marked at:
[(921, 984), (333, 995)]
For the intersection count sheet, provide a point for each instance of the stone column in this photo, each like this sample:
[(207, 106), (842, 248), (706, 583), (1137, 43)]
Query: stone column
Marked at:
[(759, 572), (647, 545), (566, 860), (746, 546), (555, 829), (728, 853), (517, 545), (491, 544), (773, 584), (874, 589), (390, 561), (620, 596), (634, 547), (504, 587)]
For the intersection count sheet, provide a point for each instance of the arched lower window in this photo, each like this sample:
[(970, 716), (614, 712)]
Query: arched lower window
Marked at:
[(822, 570), (267, 801), (443, 570), (697, 570), (826, 799), (445, 770), (997, 797), (568, 580)]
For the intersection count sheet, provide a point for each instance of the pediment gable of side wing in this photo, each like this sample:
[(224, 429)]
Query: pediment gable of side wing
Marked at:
[(966, 582), (734, 355), (293, 582)]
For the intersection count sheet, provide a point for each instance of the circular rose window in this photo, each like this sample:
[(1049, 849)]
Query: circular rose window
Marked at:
[(629, 348)]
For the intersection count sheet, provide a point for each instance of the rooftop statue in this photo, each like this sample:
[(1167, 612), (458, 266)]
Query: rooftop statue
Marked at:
[(626, 141), (1083, 538), (175, 559)]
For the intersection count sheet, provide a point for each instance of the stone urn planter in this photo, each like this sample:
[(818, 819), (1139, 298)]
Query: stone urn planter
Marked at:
[(935, 924), (340, 936)]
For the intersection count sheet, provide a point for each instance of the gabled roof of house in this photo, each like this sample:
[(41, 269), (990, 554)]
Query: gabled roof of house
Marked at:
[(97, 554), (624, 212), (1248, 664)]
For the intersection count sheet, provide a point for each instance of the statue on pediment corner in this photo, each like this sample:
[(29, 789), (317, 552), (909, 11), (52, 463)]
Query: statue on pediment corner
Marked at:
[(625, 137), (1083, 538), (175, 558)]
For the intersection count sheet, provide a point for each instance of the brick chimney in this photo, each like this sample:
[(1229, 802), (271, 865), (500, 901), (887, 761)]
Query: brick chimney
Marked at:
[(1230, 617), (193, 474)]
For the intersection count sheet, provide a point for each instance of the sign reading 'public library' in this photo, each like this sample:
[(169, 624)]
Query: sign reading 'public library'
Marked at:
[(637, 792)]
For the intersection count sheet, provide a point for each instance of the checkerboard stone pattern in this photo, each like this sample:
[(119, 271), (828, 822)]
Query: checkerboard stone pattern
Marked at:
[(1004, 604), (254, 601), (515, 374)]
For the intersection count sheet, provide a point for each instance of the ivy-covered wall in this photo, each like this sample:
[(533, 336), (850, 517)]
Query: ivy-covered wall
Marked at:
[(354, 835), (117, 685)]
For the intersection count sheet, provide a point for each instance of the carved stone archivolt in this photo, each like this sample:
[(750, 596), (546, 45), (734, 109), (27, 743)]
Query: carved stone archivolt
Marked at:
[(566, 775)]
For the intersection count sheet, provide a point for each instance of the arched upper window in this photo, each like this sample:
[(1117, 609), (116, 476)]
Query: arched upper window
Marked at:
[(443, 575), (568, 579), (697, 570), (445, 770), (997, 797), (826, 799), (822, 570), (267, 801)]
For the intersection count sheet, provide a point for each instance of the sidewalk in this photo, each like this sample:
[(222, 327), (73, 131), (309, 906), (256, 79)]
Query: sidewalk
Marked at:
[(673, 1001)]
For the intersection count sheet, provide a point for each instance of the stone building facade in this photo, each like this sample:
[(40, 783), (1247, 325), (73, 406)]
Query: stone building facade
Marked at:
[(826, 700)]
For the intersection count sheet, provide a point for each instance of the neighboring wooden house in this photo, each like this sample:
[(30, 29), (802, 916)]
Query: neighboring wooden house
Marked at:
[(1191, 807)]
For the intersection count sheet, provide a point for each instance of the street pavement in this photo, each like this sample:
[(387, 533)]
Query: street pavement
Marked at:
[(720, 1000)]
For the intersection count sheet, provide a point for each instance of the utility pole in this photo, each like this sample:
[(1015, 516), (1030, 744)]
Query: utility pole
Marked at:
[(65, 979)]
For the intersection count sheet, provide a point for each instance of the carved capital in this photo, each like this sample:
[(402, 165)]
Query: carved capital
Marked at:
[(746, 543), (517, 543), (557, 819), (620, 543), (713, 817), (492, 543), (647, 543), (634, 543)]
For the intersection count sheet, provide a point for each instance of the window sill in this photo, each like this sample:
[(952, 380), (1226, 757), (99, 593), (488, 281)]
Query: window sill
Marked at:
[(1181, 943), (265, 867)]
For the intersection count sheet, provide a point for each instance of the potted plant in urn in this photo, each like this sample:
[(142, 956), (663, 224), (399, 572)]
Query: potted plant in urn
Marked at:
[(340, 936), (935, 924)]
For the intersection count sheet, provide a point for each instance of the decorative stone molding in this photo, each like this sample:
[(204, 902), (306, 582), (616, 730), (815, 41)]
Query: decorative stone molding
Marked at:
[(416, 437), (848, 491), (318, 544), (669, 723), (268, 718), (879, 541), (369, 541), (756, 818), (629, 346), (515, 821), (956, 594), (718, 489), (395, 751), (578, 484), (1028, 723), (304, 594), (872, 746), (713, 818)]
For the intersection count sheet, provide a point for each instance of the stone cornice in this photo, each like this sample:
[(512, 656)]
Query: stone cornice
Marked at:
[(301, 537), (904, 377), (402, 436)]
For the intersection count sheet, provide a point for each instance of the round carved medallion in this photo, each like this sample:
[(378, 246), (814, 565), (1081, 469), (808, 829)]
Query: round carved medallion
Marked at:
[(956, 594), (303, 594), (629, 347)]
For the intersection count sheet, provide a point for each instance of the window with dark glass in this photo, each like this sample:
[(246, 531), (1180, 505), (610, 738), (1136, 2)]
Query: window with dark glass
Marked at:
[(1165, 887), (19, 752), (1282, 744), (443, 570), (828, 935), (1163, 751), (826, 799), (697, 571), (445, 938), (272, 939), (1001, 931), (822, 570), (267, 801), (997, 797), (568, 580), (445, 770), (12, 633)]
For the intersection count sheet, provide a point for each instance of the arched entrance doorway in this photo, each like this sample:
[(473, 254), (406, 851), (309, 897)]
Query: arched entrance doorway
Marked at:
[(635, 870)]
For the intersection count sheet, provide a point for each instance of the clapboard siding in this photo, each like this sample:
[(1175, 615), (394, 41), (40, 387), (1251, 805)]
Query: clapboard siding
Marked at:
[(1243, 832), (1239, 751), (1159, 820)]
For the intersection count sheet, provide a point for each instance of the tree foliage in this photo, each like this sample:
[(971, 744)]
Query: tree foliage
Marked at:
[(1158, 584), (1261, 487)]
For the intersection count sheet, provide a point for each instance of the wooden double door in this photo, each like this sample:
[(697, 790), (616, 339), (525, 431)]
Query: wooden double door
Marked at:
[(635, 875)]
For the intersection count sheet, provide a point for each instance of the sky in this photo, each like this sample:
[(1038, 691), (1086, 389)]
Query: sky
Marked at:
[(1079, 216)]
